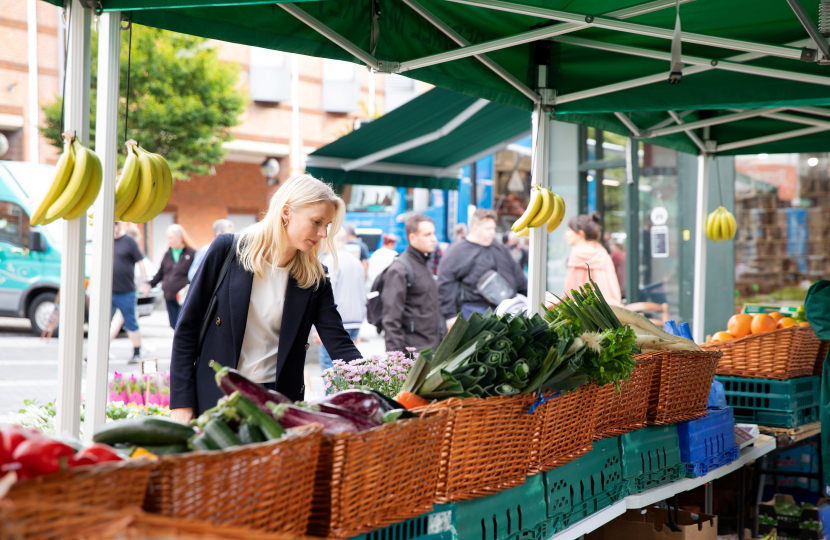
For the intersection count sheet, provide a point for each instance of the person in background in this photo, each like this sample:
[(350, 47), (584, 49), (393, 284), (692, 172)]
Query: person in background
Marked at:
[(467, 260), (117, 322), (125, 256), (381, 258), (618, 257), (349, 295), (518, 250), (584, 234), (460, 232), (353, 240), (411, 317), (220, 226), (173, 270), (435, 259)]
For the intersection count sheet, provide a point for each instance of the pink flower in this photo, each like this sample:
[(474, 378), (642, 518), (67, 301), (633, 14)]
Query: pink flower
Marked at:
[(401, 377), (387, 378), (351, 386), (328, 384)]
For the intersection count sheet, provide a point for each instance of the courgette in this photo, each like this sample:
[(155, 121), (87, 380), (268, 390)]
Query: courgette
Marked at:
[(246, 408), (221, 434), (152, 430), (166, 449), (203, 442), (250, 433)]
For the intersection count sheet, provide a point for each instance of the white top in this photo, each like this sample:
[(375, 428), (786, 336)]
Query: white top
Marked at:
[(378, 262), (258, 360)]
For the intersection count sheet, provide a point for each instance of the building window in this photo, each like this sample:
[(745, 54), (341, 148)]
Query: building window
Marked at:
[(398, 90), (269, 75), (341, 86)]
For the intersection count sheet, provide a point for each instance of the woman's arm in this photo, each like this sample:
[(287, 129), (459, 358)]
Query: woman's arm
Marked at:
[(186, 337), (160, 274), (329, 327)]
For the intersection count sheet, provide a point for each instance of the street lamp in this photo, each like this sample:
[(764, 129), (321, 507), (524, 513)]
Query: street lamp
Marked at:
[(270, 168)]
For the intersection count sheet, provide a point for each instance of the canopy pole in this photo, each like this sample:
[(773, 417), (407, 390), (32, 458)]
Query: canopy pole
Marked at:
[(632, 220), (100, 294), (810, 26), (702, 207), (71, 318), (538, 256)]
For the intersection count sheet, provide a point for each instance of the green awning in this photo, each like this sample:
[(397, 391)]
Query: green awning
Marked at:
[(471, 128), (738, 53)]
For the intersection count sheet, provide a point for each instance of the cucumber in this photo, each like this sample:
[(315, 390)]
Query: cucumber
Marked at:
[(166, 449), (221, 434), (152, 430), (249, 433), (203, 442), (247, 410)]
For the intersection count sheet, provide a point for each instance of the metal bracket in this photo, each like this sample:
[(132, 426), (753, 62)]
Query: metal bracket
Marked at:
[(711, 146), (94, 5), (808, 55), (387, 67), (548, 98)]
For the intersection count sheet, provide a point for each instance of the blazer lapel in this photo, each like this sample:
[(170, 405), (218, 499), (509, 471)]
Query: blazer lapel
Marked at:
[(296, 300), (239, 298)]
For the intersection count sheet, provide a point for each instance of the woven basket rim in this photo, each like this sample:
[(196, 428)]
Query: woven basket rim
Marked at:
[(730, 342)]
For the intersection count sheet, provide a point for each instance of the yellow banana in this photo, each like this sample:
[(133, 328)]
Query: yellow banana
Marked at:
[(558, 214), (92, 189), (76, 187), (531, 211), (127, 186), (144, 196), (731, 226), (716, 226), (165, 189), (545, 211), (724, 226), (523, 232), (158, 191), (710, 233), (62, 174)]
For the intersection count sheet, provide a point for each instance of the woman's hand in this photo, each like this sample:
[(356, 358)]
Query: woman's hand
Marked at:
[(184, 415)]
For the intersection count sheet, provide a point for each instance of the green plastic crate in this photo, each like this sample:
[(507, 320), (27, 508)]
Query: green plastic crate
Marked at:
[(770, 394), (435, 525), (657, 478), (786, 419), (510, 514), (649, 450), (584, 486)]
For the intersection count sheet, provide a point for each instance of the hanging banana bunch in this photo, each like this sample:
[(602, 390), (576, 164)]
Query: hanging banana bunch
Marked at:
[(546, 207), (721, 225), (77, 182), (145, 186)]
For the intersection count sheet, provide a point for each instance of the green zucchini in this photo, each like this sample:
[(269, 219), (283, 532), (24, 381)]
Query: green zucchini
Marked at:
[(247, 410), (250, 433), (166, 449), (203, 442), (221, 434), (153, 430)]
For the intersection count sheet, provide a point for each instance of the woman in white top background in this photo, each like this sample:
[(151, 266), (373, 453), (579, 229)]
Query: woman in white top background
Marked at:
[(275, 289)]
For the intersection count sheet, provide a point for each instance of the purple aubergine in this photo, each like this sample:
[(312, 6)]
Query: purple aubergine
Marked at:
[(230, 381), (359, 401), (361, 422), (290, 416)]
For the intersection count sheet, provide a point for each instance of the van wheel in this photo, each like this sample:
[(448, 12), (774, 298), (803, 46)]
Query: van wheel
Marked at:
[(40, 312)]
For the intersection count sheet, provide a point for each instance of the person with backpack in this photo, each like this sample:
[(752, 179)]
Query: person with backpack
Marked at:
[(409, 294)]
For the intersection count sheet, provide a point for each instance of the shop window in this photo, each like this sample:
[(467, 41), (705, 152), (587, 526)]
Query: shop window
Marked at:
[(398, 90), (269, 75), (14, 225), (341, 86)]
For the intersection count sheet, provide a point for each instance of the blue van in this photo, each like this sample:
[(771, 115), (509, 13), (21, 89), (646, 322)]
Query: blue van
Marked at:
[(30, 257)]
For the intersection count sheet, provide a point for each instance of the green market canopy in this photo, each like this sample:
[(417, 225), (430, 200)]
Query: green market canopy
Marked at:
[(422, 143)]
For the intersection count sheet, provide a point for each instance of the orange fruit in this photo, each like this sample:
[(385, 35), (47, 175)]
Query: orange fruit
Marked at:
[(722, 336), (776, 315), (805, 324), (740, 325), (786, 322), (762, 323)]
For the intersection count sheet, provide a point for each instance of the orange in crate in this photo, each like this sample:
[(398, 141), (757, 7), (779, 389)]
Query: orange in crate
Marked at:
[(777, 315), (762, 323), (805, 324), (722, 336), (786, 322), (740, 325)]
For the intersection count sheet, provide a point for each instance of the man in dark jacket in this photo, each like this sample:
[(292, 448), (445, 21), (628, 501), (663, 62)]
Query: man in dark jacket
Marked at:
[(410, 314), (467, 260)]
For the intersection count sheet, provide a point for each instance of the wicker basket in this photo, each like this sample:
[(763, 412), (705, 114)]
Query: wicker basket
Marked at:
[(378, 477), (109, 486), (32, 520), (781, 354), (621, 412), (823, 347), (265, 486), (680, 384), (565, 429), (487, 447)]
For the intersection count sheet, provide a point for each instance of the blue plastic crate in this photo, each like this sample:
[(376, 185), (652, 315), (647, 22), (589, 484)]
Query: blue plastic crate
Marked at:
[(706, 437), (702, 468), (435, 525)]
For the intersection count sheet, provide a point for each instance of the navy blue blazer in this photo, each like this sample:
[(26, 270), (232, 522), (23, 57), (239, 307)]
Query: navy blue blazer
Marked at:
[(196, 387)]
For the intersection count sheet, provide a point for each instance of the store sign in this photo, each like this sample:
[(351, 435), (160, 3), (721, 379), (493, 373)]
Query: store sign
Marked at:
[(659, 215), (659, 242)]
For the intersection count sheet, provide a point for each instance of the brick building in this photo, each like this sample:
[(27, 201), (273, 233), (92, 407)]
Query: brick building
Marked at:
[(332, 95)]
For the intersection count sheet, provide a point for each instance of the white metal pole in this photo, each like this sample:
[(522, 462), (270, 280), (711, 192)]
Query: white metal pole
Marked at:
[(371, 100), (699, 300), (34, 106), (296, 166), (538, 256), (100, 292), (71, 320)]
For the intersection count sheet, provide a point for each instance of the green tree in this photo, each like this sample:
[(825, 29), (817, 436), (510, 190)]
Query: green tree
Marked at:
[(183, 100)]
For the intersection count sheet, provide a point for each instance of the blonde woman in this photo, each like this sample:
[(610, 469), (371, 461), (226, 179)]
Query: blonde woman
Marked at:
[(275, 289)]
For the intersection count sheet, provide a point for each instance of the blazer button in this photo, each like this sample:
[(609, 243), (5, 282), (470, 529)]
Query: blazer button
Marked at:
[(307, 346), (302, 389), (218, 321)]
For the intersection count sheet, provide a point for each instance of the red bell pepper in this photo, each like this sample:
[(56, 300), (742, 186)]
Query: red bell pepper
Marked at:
[(11, 436), (100, 452), (77, 461), (42, 455)]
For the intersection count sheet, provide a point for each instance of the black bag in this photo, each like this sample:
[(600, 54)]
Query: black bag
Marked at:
[(212, 305), (374, 303), (494, 288)]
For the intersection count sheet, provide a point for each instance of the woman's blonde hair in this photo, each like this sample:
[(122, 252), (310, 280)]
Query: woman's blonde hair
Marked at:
[(178, 229), (267, 241)]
